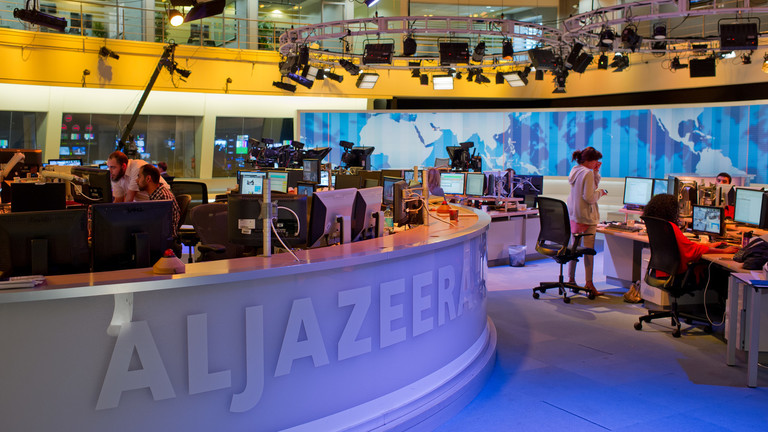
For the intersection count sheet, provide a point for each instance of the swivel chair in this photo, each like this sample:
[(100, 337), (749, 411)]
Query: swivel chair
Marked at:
[(210, 223), (554, 237), (198, 191), (662, 273)]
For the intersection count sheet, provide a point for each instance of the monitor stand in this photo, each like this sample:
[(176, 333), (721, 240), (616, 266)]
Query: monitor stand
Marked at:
[(141, 250)]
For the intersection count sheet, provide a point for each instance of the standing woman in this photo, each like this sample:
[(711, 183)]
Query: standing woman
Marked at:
[(582, 207)]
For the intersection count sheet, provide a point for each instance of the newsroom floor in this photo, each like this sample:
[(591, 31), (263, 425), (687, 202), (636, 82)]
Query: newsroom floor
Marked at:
[(583, 367)]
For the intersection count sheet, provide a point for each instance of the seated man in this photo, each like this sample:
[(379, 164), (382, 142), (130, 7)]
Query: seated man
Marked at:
[(149, 181), (124, 174)]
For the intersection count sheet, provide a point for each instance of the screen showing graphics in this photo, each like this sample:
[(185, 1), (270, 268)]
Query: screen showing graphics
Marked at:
[(388, 194), (251, 182), (660, 186), (748, 206), (64, 151), (452, 183), (279, 181), (637, 190), (65, 162), (241, 145), (311, 171), (475, 183), (708, 220), (78, 151)]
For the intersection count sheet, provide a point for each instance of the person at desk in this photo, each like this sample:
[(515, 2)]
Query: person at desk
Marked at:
[(582, 207), (124, 175), (163, 167), (433, 183), (148, 180), (664, 206), (723, 178)]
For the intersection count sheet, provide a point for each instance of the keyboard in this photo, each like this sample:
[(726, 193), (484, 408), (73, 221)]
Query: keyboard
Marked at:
[(624, 227)]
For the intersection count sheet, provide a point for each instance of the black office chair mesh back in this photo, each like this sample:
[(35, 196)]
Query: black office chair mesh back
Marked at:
[(554, 239), (183, 201), (555, 230), (210, 222), (665, 257), (197, 190)]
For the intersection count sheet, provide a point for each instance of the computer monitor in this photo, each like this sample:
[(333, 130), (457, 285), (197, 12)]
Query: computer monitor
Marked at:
[(637, 190), (475, 184), (452, 183), (660, 186), (367, 203), (46, 243), (404, 208), (370, 178), (305, 188), (251, 182), (291, 221), (725, 195), (388, 193), (278, 181), (130, 235), (708, 220), (330, 217), (311, 171), (398, 173), (245, 225), (325, 178), (65, 162), (98, 188), (78, 150), (528, 185), (750, 207), (348, 181), (64, 151), (33, 196)]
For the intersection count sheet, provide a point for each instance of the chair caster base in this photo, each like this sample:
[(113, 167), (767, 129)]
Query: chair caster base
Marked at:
[(535, 295), (566, 300), (639, 325)]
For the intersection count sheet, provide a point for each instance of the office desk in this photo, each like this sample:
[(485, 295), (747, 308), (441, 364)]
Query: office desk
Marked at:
[(740, 287), (512, 228), (622, 256)]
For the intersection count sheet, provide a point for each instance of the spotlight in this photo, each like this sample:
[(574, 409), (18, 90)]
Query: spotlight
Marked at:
[(659, 31), (409, 46), (481, 79), (33, 16), (106, 52), (175, 18), (86, 72), (571, 59), (746, 58), (582, 62), (310, 72), (320, 75), (620, 62), (298, 79), (602, 62), (560, 82), (479, 52), (453, 53), (442, 82), (303, 56), (346, 144), (507, 52), (703, 67), (289, 65), (606, 39), (500, 77), (675, 64), (415, 72), (203, 10), (424, 79), (284, 86), (185, 73), (539, 75), (515, 79), (630, 38), (350, 67), (334, 77), (367, 80), (378, 53), (371, 3), (458, 75)]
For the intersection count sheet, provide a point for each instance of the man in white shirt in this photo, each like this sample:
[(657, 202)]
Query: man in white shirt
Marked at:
[(124, 173)]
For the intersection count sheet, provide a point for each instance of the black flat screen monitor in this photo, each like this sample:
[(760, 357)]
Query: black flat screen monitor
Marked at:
[(291, 221), (305, 188), (475, 184), (251, 182), (708, 220), (393, 173), (404, 209), (370, 178), (311, 171), (348, 181), (388, 193), (33, 196), (326, 209), (452, 183), (637, 190), (244, 223), (726, 195), (65, 162), (99, 187), (660, 186), (528, 185), (130, 235), (278, 181), (367, 202), (750, 207), (47, 243)]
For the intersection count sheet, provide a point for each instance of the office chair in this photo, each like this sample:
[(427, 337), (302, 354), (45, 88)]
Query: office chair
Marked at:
[(554, 237), (198, 192), (210, 223), (665, 257)]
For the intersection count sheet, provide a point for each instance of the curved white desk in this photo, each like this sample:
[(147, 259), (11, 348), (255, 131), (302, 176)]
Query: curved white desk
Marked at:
[(385, 333)]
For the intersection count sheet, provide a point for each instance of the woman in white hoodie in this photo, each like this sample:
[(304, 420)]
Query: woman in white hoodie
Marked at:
[(582, 207)]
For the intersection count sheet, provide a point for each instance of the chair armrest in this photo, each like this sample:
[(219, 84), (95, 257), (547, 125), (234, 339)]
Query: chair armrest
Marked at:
[(205, 248), (577, 240)]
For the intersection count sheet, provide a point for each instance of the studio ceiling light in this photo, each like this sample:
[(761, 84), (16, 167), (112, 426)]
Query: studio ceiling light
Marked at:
[(371, 3), (284, 86), (298, 79), (34, 16), (350, 67), (630, 38), (334, 77), (479, 52), (204, 10), (675, 64), (378, 53), (442, 82), (602, 62), (367, 80), (454, 53), (409, 46), (106, 52), (620, 62), (507, 52), (515, 79), (175, 18)]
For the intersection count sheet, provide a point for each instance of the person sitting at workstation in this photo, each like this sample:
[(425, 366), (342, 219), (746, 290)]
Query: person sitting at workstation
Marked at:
[(433, 183), (124, 175), (163, 167), (723, 178), (148, 180)]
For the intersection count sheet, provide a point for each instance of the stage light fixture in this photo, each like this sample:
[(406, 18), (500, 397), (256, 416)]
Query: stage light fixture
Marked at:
[(507, 51), (303, 56), (582, 62), (409, 46), (746, 58), (500, 77), (284, 86), (659, 31), (675, 64), (320, 75), (367, 80), (702, 67), (539, 75), (371, 3), (481, 79), (620, 62), (298, 79), (602, 62), (289, 65), (606, 39), (453, 53), (516, 79), (630, 38), (350, 67), (205, 10), (442, 82), (334, 76), (479, 52), (415, 72), (573, 55), (175, 17), (378, 53), (424, 79), (560, 82), (34, 16), (739, 36), (185, 73), (542, 59), (458, 75), (106, 52)]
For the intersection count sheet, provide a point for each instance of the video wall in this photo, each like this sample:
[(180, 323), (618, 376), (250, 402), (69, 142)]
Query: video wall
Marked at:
[(650, 142)]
